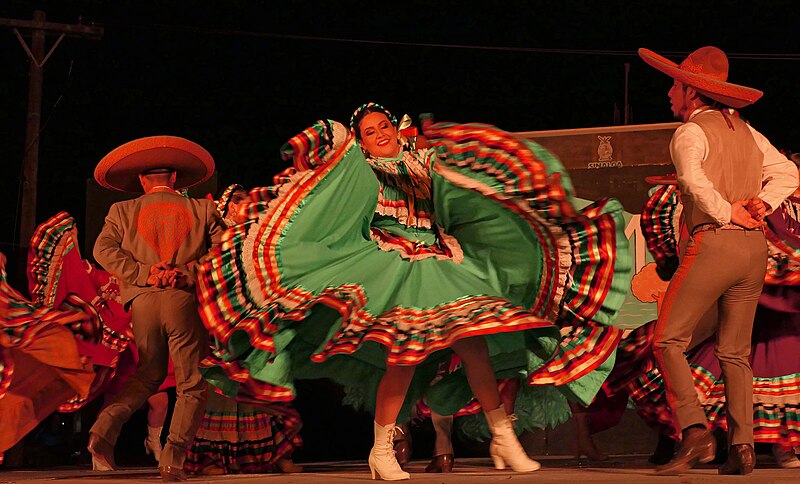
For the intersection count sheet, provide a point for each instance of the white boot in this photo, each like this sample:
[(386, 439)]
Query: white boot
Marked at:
[(152, 444), (785, 458), (382, 460), (505, 448)]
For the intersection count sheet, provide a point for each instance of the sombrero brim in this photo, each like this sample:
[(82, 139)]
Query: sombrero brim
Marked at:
[(120, 169), (670, 179), (733, 95)]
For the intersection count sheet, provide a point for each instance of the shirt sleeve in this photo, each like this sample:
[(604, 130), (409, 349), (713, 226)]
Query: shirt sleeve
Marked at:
[(688, 148), (779, 175), (108, 252)]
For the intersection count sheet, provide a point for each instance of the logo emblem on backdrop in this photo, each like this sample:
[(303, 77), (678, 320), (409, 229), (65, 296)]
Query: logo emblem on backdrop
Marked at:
[(604, 150)]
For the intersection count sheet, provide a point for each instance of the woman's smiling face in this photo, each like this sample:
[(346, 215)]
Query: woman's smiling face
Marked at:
[(379, 136)]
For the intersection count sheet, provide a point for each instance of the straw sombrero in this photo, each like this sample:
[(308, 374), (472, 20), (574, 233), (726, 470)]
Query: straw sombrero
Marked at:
[(706, 70), (120, 169)]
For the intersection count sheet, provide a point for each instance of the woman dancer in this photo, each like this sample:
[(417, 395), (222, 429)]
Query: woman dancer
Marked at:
[(65, 343), (368, 270)]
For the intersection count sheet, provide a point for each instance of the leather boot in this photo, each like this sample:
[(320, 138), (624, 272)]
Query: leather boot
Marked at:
[(505, 448), (382, 461), (441, 463), (172, 474), (785, 456), (741, 460), (402, 444), (665, 451), (584, 445), (102, 453), (698, 446), (152, 444)]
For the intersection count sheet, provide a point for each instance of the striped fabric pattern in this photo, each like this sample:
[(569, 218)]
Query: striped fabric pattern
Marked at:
[(594, 264), (658, 224), (222, 203), (21, 321), (776, 401), (783, 264), (48, 246), (245, 441), (584, 282)]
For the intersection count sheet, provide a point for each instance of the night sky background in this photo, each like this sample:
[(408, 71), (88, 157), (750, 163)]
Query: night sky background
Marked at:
[(240, 77)]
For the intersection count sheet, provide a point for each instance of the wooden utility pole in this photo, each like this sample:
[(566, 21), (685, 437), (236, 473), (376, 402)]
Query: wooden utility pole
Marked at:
[(38, 29)]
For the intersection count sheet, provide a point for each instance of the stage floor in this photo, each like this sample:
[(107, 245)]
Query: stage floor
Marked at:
[(618, 469)]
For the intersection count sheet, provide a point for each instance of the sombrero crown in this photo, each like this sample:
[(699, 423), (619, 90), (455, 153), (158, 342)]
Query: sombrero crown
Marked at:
[(706, 70), (119, 169)]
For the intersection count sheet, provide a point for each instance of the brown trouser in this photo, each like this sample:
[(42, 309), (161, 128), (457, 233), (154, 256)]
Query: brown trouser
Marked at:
[(724, 268), (165, 324)]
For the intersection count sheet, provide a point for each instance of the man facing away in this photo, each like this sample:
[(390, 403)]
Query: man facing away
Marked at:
[(730, 177), (152, 244)]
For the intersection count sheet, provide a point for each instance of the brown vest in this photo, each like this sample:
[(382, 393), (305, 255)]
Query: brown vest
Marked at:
[(734, 163)]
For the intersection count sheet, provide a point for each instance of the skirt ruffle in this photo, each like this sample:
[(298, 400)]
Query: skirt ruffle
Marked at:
[(239, 438), (302, 291)]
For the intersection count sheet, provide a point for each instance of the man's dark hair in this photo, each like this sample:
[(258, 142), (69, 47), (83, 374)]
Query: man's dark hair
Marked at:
[(714, 104)]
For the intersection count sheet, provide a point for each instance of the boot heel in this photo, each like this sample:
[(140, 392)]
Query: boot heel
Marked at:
[(499, 463), (372, 470)]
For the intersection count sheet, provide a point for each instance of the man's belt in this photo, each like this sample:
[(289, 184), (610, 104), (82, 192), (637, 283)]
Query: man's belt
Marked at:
[(729, 226)]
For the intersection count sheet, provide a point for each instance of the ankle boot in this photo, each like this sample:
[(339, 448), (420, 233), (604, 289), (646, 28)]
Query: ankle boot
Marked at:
[(152, 444), (741, 460), (102, 453), (785, 456), (402, 444), (665, 450), (442, 460), (698, 446), (505, 449), (382, 461)]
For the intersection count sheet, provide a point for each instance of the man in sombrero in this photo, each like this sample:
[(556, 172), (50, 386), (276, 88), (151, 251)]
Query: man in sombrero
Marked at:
[(152, 244), (730, 177)]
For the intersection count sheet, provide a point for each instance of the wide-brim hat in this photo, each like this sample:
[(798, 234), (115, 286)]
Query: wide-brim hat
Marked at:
[(668, 179), (120, 169), (706, 70)]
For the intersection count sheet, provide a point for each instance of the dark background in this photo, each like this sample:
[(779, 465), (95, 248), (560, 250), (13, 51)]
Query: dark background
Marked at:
[(240, 77)]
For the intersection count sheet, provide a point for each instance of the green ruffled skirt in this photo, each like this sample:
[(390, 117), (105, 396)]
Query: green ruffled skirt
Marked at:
[(301, 291)]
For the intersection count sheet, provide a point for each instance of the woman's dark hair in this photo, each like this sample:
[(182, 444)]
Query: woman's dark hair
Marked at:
[(375, 108), (238, 195)]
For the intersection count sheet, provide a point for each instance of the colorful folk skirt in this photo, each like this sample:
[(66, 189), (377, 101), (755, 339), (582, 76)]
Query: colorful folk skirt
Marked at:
[(240, 438), (303, 291)]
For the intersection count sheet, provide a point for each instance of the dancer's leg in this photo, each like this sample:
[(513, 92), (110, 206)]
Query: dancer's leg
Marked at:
[(392, 393), (475, 355), (505, 448)]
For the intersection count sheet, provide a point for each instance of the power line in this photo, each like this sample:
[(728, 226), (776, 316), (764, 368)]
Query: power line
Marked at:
[(496, 48)]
